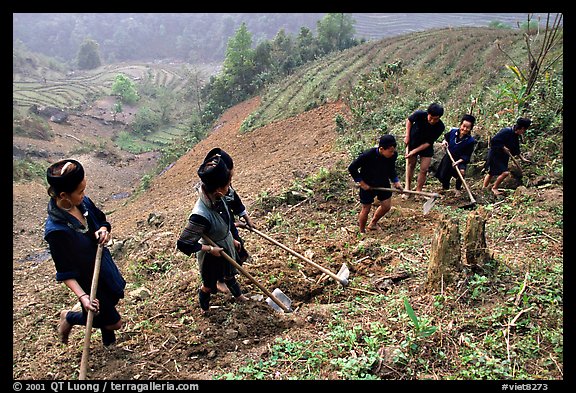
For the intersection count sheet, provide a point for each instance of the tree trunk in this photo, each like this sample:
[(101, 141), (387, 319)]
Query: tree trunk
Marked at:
[(475, 239), (444, 261)]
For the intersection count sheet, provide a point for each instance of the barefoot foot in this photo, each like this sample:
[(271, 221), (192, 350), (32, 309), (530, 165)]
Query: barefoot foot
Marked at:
[(241, 298), (64, 327)]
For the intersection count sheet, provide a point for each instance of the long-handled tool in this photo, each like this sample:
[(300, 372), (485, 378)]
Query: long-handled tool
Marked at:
[(472, 200), (432, 196), (90, 318), (341, 276), (407, 178), (277, 296), (516, 163)]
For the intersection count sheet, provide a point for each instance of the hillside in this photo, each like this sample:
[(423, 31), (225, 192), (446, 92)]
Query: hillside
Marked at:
[(504, 322)]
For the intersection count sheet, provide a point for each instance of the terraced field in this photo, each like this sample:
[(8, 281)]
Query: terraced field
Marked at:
[(375, 26), (436, 59), (81, 87)]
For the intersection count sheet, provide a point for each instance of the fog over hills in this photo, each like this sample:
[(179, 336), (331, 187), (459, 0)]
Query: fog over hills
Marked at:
[(203, 37)]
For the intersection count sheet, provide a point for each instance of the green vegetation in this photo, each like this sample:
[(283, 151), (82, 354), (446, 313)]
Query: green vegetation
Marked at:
[(26, 169), (124, 89), (246, 69), (88, 55), (31, 126), (502, 322)]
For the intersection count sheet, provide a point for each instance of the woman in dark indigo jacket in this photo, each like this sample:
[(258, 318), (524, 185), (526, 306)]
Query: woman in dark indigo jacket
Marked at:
[(461, 144), (211, 217), (74, 228)]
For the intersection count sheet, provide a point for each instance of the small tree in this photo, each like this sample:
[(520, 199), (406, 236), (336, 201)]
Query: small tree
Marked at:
[(537, 62), (116, 109), (124, 89), (238, 67), (88, 56), (336, 32)]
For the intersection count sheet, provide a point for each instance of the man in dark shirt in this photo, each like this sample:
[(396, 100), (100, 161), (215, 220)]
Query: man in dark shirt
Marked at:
[(422, 129), (505, 142), (375, 167)]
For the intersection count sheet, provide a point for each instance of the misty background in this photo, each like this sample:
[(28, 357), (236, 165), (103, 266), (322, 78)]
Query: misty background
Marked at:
[(202, 37)]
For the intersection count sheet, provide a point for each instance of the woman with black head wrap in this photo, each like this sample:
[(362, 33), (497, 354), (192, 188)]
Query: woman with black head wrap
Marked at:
[(211, 217), (236, 208), (73, 230)]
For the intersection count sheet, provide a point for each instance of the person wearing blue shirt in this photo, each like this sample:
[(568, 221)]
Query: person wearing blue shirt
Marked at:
[(505, 142), (375, 167), (74, 229), (461, 144)]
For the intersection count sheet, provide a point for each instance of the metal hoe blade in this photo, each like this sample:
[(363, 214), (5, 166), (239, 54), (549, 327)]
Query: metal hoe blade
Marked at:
[(343, 273), (285, 300), (429, 203)]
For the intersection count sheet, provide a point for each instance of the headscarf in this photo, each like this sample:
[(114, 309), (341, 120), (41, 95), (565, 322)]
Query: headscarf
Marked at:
[(225, 157), (214, 173)]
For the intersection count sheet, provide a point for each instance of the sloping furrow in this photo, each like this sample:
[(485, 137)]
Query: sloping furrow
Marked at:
[(283, 93), (293, 99), (374, 26), (172, 133), (345, 78), (39, 98)]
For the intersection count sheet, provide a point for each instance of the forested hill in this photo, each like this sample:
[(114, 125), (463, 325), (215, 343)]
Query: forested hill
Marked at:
[(202, 37)]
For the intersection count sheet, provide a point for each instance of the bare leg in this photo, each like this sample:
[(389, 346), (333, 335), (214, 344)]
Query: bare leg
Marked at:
[(380, 212), (499, 180), (410, 166), (424, 165), (487, 179), (64, 327), (222, 287), (116, 326), (363, 217)]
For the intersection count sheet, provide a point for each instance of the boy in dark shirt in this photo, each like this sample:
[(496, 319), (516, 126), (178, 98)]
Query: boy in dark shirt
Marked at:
[(506, 141), (423, 128), (375, 167)]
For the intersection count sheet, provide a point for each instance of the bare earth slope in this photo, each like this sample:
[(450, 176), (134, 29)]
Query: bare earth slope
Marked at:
[(165, 335), (265, 160)]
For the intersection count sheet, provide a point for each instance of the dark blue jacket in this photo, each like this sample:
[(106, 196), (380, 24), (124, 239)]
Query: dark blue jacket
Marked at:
[(506, 137), (73, 249), (460, 148)]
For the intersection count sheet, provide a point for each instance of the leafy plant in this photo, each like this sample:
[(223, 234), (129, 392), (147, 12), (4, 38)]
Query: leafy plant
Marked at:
[(422, 330), (124, 88)]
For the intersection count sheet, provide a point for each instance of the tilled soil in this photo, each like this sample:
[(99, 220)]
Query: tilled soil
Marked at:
[(165, 334)]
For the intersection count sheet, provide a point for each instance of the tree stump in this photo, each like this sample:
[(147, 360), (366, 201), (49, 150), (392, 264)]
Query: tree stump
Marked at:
[(445, 252), (475, 247)]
